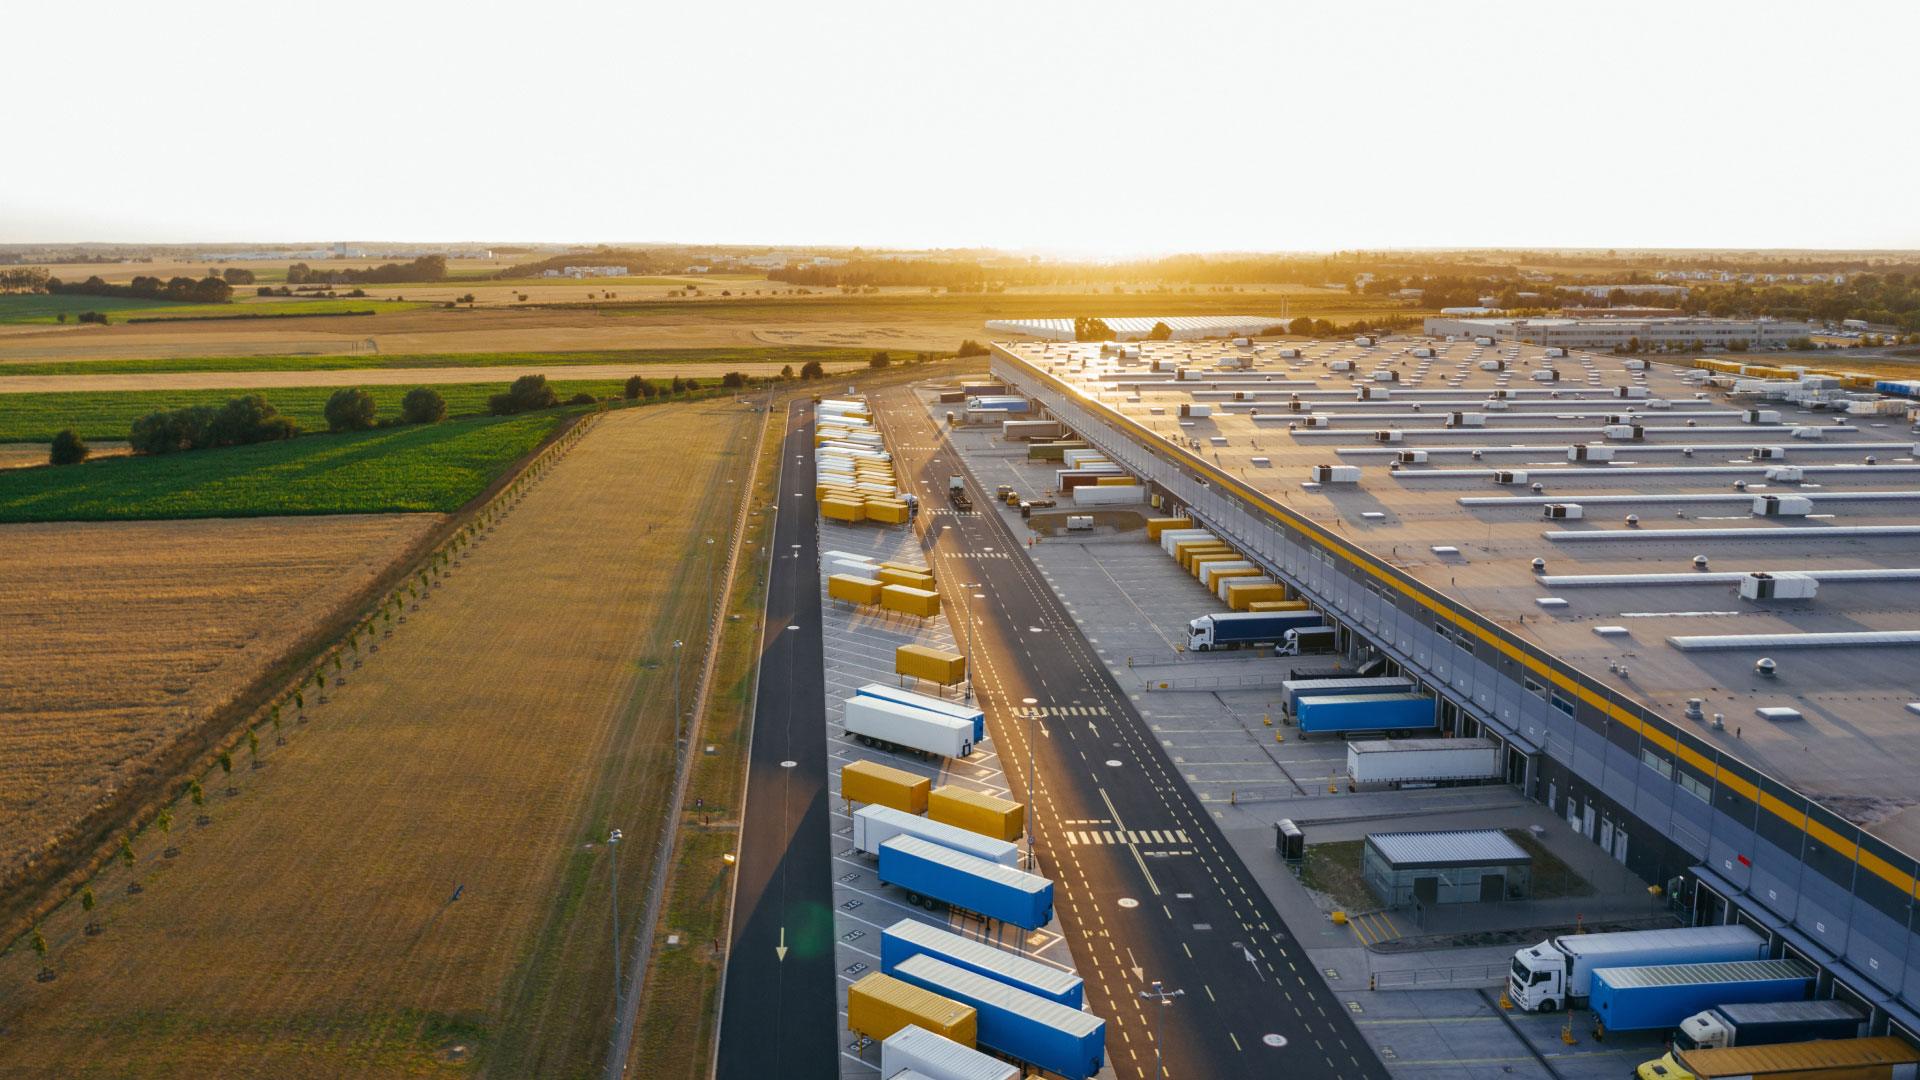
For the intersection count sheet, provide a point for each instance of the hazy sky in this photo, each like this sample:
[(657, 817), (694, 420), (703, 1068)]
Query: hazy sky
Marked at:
[(1099, 127)]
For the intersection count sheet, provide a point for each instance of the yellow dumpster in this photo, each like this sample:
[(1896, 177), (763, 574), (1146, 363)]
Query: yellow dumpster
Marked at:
[(853, 589), (879, 1005), (910, 601), (1002, 819), (930, 664), (877, 785)]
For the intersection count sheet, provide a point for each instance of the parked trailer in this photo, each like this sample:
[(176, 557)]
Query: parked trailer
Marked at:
[(1230, 629), (913, 1051), (1003, 819), (1393, 713), (875, 825), (955, 709), (933, 874), (1648, 998), (1030, 429), (909, 938), (932, 665), (1768, 1022), (892, 726), (1558, 972), (1015, 1023), (1423, 762), (879, 785), (880, 1005), (1883, 1058), (1292, 689)]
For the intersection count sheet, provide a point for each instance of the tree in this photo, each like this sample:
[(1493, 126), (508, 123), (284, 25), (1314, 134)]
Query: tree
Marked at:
[(126, 851), (1160, 332), (423, 405), (692, 385), (1633, 344), (787, 372), (233, 275), (68, 448), (634, 384), (528, 393), (226, 766), (253, 746), (582, 398), (86, 905), (970, 347), (1302, 326), (679, 385), (1087, 328), (350, 409), (879, 359), (812, 370), (733, 380), (165, 820), (39, 943)]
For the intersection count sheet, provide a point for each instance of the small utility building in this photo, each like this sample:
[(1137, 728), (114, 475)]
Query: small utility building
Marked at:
[(1461, 866)]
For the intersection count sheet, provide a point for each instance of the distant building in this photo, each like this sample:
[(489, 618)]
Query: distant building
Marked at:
[(1609, 333), (1630, 290)]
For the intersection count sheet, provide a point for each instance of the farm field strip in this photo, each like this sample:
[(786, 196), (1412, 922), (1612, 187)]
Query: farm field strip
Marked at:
[(362, 361), (313, 929)]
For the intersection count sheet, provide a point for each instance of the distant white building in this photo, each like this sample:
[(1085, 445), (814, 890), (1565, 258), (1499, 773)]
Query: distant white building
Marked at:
[(586, 272), (1615, 333), (1604, 291)]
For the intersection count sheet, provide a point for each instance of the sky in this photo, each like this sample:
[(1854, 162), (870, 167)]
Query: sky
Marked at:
[(1112, 128)]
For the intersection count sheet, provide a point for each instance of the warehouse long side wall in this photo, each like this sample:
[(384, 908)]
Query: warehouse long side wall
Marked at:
[(1572, 741)]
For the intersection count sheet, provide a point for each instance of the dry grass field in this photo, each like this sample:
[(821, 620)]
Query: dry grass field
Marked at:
[(371, 377), (123, 636), (415, 883)]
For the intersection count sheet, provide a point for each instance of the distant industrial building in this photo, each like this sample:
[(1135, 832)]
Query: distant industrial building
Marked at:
[(586, 272), (1609, 333), (1630, 290), (1184, 327)]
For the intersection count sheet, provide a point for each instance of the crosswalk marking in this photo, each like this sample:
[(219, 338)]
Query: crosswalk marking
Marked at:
[(1150, 837), (1070, 710)]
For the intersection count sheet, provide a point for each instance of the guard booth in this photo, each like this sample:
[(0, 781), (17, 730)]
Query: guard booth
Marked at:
[(1289, 841)]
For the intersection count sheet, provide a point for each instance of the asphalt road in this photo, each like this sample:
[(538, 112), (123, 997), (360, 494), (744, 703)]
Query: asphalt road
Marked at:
[(778, 1017), (1196, 920)]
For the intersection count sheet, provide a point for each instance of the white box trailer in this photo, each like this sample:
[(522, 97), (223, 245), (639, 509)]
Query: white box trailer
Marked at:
[(1407, 762), (1030, 429), (1108, 494), (914, 1052), (1292, 689), (1208, 570), (1170, 539), (874, 825), (891, 725)]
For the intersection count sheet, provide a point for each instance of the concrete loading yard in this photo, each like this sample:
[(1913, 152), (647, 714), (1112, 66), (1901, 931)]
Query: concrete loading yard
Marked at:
[(1585, 669)]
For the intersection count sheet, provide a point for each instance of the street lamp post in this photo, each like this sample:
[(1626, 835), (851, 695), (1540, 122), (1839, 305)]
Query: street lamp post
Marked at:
[(709, 580), (970, 586), (676, 701), (613, 856), (1031, 712), (1165, 997)]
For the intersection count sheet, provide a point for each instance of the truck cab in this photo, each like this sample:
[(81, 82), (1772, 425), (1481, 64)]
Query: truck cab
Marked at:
[(1538, 979), (1662, 1068)]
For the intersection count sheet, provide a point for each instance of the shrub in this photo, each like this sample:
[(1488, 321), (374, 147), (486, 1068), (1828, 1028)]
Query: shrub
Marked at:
[(528, 393), (733, 380), (879, 359), (679, 385), (971, 347), (233, 275), (787, 372), (423, 405), (634, 385), (350, 409), (68, 448), (582, 398), (812, 370), (242, 420), (93, 317), (692, 385), (264, 290)]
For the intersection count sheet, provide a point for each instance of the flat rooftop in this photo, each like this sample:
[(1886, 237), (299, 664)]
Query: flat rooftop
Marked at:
[(1624, 602)]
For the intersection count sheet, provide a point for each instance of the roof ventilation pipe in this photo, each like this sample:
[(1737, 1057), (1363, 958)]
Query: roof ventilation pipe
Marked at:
[(1633, 521), (1766, 668), (1693, 708), (1699, 562), (1539, 566)]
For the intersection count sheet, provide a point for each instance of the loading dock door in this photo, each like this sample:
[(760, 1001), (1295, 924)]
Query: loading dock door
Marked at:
[(1620, 845), (1586, 825)]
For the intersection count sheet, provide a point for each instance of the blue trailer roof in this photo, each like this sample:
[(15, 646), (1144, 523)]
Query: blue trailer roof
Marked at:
[(946, 856), (1032, 1006), (1731, 971)]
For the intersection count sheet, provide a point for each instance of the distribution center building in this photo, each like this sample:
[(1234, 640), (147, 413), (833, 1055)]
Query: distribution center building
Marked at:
[(1611, 333), (1587, 558)]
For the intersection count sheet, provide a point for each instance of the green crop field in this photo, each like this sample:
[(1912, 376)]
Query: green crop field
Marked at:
[(261, 307), (776, 354), (21, 308), (967, 307), (430, 468)]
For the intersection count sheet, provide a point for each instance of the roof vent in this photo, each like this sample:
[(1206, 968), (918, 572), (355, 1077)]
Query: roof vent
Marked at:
[(1720, 720), (1693, 423), (1539, 487), (1739, 485), (1766, 668), (1539, 566), (1686, 451), (1871, 460), (1633, 521), (1693, 708), (1699, 562), (1476, 455)]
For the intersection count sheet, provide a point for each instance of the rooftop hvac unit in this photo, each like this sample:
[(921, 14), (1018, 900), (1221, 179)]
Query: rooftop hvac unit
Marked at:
[(1782, 506), (1336, 474), (1164, 364), (1785, 586), (1187, 374), (1195, 409), (1315, 421), (1374, 393), (1628, 432), (1760, 416), (1546, 375), (1131, 352), (1483, 341), (1659, 403), (1422, 352), (1590, 452), (1288, 354), (1767, 453), (1466, 419), (1555, 350), (1339, 365), (1411, 457), (1388, 435), (1562, 512), (1493, 365), (1296, 405), (1634, 365), (1498, 404), (1509, 476), (1363, 340), (1629, 391), (1386, 376), (1500, 395), (1785, 474), (1242, 342), (1813, 433)]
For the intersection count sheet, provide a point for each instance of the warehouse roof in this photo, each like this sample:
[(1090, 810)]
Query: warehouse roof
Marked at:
[(1455, 847), (1687, 453)]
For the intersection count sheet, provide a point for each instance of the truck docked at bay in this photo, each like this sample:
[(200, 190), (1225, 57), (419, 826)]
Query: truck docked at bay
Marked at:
[(1423, 762), (1766, 1022), (891, 725), (1883, 1058), (1558, 972), (1395, 715), (1658, 997), (1235, 629), (1345, 684)]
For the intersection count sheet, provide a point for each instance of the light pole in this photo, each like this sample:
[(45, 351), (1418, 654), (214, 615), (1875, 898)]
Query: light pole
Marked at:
[(613, 856), (1031, 711), (709, 584), (1165, 997), (971, 597), (676, 701)]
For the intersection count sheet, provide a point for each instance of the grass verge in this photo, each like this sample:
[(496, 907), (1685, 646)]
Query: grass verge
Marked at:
[(1334, 868), (1552, 877), (778, 354)]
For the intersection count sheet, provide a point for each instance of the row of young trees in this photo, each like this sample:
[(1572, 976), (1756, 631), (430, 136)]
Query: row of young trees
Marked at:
[(207, 290)]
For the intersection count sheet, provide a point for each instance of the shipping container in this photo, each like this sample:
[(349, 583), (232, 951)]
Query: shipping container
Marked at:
[(873, 722), (1093, 495), (914, 1051), (1003, 819), (1213, 574), (1225, 582), (1030, 429), (1767, 1022), (932, 665), (879, 785), (1423, 762), (874, 825), (1268, 606), (957, 709), (1170, 538), (1156, 526), (1345, 685), (1242, 593), (1015, 1023), (909, 938), (1558, 972), (852, 589), (1199, 560), (879, 1005), (887, 511), (1883, 1058), (910, 601), (1648, 998), (1193, 549), (1389, 713), (894, 575), (935, 872), (843, 509)]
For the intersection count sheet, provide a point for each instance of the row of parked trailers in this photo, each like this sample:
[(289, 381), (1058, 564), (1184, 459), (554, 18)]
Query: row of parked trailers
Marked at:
[(854, 478), (893, 586)]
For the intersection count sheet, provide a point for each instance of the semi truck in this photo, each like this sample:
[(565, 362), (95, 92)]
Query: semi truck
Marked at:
[(1649, 998), (1233, 629), (1767, 1022), (1308, 641), (874, 825), (1014, 1023), (890, 725), (1348, 685), (1423, 762), (1884, 1058), (1558, 972), (901, 696), (1394, 714), (933, 876)]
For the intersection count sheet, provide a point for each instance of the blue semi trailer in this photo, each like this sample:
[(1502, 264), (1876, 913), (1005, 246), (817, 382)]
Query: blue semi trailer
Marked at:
[(933, 875), (907, 939), (1231, 629), (1015, 1023), (1394, 714), (1640, 998), (955, 709)]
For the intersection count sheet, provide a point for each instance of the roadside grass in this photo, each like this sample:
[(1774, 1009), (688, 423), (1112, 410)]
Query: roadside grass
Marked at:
[(417, 468), (777, 354), (1334, 868), (26, 308), (1552, 877)]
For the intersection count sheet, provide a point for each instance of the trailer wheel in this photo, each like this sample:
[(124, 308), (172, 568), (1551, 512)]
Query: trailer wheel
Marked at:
[(929, 903), (913, 898)]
